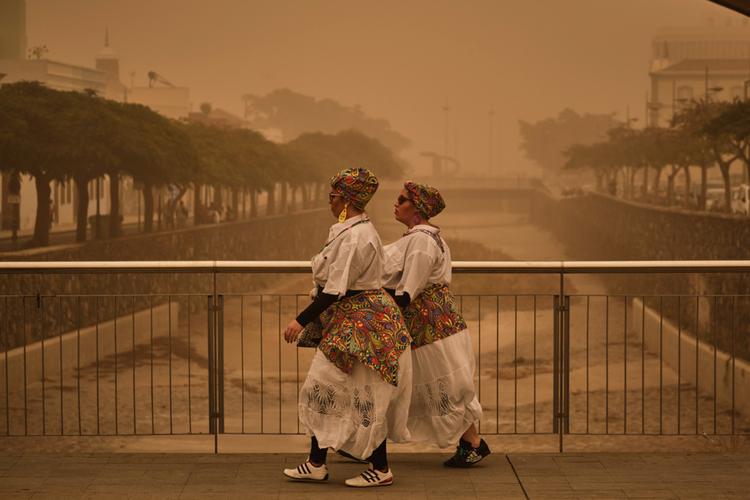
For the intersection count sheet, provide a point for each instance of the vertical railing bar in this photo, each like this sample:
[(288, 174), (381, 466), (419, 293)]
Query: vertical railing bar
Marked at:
[(60, 351), (96, 332), (562, 364), (606, 366), (714, 325), (40, 312), (169, 362), (588, 317), (151, 351), (242, 362), (132, 361), (515, 364), (679, 363), (697, 358), (643, 364), (566, 359), (497, 364), (189, 362), (117, 427), (220, 365), (534, 367), (625, 367), (7, 372), (25, 397), (210, 324), (734, 357), (479, 360), (78, 360), (261, 365), (296, 353), (661, 364), (279, 351), (555, 363)]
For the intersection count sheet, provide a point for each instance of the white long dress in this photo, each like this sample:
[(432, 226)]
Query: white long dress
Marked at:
[(443, 403), (354, 411)]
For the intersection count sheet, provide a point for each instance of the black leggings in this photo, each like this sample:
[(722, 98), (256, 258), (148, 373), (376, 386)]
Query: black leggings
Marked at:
[(379, 457)]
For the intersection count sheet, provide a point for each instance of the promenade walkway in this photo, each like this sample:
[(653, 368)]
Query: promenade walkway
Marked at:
[(418, 476)]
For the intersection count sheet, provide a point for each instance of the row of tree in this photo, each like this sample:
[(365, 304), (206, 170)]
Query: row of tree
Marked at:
[(704, 135), (56, 135)]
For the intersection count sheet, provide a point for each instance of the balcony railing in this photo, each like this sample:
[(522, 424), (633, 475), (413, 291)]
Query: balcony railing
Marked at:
[(211, 360)]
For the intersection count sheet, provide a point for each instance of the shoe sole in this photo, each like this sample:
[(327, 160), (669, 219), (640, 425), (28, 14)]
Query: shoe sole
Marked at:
[(466, 466), (306, 480), (388, 483)]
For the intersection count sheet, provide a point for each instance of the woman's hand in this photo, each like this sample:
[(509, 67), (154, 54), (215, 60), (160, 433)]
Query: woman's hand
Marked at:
[(292, 331)]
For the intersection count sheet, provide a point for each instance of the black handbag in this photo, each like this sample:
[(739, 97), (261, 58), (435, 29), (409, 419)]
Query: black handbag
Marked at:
[(311, 335)]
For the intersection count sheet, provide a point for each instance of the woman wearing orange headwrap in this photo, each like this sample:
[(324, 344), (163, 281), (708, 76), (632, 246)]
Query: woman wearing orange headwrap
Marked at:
[(358, 388)]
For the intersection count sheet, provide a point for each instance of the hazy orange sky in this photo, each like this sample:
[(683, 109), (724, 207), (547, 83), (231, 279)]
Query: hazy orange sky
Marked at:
[(399, 59)]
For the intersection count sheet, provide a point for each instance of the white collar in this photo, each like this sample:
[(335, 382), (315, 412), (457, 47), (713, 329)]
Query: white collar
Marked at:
[(424, 227)]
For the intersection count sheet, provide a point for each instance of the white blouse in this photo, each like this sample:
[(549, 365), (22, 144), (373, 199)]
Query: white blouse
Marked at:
[(416, 260), (351, 259)]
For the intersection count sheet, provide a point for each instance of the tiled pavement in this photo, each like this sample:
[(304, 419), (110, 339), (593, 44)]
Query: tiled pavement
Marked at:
[(417, 476)]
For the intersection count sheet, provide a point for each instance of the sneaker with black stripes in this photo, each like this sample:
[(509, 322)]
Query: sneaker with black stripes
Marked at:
[(308, 472), (466, 455), (371, 477)]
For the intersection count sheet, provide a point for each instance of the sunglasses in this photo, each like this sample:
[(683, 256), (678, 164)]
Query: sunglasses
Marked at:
[(402, 199), (331, 196)]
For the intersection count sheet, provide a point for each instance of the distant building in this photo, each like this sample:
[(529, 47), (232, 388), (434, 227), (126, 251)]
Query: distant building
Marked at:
[(172, 102), (694, 64), (12, 29)]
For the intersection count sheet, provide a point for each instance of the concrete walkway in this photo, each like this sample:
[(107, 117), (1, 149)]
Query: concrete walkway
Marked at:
[(417, 476)]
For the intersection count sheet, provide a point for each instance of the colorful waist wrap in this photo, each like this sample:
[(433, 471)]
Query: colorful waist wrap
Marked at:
[(367, 327), (432, 316)]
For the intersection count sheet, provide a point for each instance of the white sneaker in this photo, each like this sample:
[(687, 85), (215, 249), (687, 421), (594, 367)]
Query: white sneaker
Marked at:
[(307, 472), (371, 477)]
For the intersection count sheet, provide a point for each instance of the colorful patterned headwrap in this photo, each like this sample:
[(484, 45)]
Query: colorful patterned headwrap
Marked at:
[(426, 199), (357, 185)]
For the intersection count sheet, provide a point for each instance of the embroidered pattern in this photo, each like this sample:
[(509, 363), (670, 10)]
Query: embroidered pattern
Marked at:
[(432, 316), (365, 407), (325, 400), (433, 399), (367, 327)]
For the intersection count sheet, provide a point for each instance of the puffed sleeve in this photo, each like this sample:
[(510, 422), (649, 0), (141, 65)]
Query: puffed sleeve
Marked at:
[(352, 257), (421, 255)]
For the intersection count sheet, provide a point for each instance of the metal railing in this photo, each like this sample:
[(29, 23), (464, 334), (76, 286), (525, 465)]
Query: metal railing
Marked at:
[(213, 362)]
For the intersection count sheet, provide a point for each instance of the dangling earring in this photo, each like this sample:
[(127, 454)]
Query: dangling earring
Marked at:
[(342, 215)]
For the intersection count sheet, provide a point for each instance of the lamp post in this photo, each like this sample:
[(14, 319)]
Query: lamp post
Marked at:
[(492, 118), (447, 110)]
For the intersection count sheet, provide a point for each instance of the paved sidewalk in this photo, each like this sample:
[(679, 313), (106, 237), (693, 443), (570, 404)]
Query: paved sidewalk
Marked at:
[(417, 476)]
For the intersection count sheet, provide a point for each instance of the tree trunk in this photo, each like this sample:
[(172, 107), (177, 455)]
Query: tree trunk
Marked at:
[(670, 184), (271, 201), (197, 205), (115, 225), (724, 167), (283, 202), (688, 184), (253, 203), (82, 208), (306, 196), (631, 184), (644, 186), (43, 202), (657, 181), (235, 203), (148, 207), (704, 187)]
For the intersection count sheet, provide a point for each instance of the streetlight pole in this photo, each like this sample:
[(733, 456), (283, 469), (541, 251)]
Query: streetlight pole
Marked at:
[(446, 109), (492, 118)]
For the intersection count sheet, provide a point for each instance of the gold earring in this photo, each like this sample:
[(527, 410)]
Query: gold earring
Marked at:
[(342, 215)]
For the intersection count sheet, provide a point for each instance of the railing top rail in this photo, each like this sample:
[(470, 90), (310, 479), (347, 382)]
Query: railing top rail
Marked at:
[(466, 267)]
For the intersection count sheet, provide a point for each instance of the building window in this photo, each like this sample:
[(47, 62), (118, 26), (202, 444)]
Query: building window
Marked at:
[(684, 93)]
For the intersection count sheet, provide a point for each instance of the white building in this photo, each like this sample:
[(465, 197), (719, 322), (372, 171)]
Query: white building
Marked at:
[(695, 64)]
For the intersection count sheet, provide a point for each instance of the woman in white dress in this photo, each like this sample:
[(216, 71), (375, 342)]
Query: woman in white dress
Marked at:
[(444, 406), (358, 389)]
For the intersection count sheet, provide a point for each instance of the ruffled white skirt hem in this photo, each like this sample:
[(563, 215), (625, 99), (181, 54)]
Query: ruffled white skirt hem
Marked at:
[(355, 412), (443, 403)]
